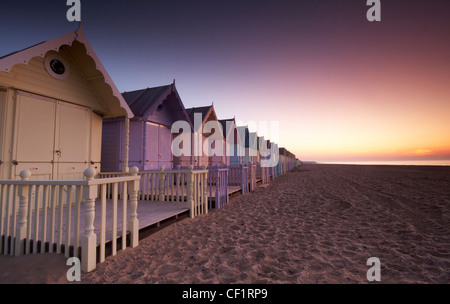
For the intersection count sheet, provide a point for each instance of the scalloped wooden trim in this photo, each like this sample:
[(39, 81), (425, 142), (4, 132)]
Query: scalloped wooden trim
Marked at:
[(39, 50)]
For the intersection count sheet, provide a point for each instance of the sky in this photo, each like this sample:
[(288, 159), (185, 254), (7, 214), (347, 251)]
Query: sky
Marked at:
[(327, 83)]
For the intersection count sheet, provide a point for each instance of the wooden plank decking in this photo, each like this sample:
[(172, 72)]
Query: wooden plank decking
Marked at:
[(149, 213), (231, 190)]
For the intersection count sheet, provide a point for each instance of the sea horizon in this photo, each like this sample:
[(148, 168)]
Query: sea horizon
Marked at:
[(389, 162)]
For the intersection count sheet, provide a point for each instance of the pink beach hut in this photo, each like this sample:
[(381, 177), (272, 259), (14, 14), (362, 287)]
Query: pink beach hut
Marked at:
[(248, 144), (155, 110), (232, 142), (206, 126)]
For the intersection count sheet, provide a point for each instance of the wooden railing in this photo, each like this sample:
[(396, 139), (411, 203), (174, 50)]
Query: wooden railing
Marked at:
[(57, 216), (252, 177), (274, 172), (244, 179), (217, 183), (238, 176), (218, 186), (263, 174), (187, 185)]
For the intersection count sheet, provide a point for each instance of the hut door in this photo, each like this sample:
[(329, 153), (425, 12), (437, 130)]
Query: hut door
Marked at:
[(158, 147), (35, 140), (151, 147), (52, 138), (71, 141), (164, 147)]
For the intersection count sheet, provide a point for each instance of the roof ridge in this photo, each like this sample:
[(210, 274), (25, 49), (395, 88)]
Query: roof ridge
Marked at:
[(140, 95)]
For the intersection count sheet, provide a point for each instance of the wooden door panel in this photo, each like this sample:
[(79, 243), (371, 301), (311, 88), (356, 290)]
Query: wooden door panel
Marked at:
[(72, 134), (34, 149), (165, 147), (151, 147)]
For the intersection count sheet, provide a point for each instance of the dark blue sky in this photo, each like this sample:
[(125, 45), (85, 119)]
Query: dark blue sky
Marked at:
[(303, 63)]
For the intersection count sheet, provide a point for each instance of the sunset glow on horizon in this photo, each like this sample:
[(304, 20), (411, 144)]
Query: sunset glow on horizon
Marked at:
[(341, 88)]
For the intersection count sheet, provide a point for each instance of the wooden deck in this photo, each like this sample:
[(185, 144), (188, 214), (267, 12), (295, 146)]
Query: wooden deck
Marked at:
[(149, 213), (231, 190)]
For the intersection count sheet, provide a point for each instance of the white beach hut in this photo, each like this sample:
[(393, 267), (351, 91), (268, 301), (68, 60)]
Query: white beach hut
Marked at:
[(53, 97)]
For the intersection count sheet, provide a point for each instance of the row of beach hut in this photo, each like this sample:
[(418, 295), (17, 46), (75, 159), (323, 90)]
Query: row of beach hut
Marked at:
[(84, 166)]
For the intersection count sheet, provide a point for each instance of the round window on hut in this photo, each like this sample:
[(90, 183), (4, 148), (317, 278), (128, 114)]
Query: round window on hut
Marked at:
[(56, 67)]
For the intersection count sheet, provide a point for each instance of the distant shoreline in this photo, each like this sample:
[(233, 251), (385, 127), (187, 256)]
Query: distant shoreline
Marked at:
[(437, 163)]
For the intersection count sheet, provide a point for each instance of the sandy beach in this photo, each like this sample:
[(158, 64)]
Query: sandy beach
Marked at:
[(317, 224)]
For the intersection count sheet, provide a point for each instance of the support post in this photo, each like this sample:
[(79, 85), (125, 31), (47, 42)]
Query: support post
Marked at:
[(254, 176), (226, 183), (89, 238), (216, 179), (126, 148), (205, 191), (21, 232), (190, 190), (241, 175), (250, 172), (133, 222), (162, 177)]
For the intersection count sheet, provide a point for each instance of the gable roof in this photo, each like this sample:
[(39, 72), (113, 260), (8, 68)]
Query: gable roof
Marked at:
[(144, 102), (202, 110), (224, 124), (206, 112), (232, 127), (141, 101), (83, 54)]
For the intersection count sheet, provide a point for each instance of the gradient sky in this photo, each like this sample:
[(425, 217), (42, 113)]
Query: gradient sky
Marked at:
[(341, 87)]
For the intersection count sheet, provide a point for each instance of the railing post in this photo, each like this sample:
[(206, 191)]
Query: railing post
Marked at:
[(264, 174), (189, 191), (133, 222), (226, 183), (21, 232), (162, 177), (241, 170), (216, 179), (205, 191), (89, 238), (252, 176)]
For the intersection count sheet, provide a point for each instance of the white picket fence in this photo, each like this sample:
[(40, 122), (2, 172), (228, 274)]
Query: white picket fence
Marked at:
[(162, 185), (56, 216)]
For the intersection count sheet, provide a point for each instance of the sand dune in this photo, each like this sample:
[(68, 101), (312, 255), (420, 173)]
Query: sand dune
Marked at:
[(317, 224)]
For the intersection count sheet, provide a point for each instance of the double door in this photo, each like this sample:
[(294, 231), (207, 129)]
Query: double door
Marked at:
[(158, 148), (52, 138)]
